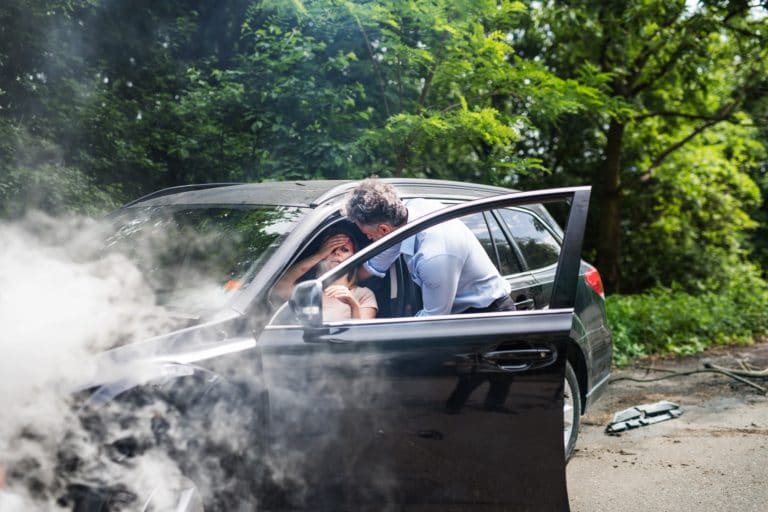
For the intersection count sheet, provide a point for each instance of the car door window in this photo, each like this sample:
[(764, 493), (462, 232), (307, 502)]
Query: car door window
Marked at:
[(539, 246), (500, 251), (492, 238)]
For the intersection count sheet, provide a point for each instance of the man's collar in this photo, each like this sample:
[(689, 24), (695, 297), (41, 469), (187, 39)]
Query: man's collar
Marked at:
[(408, 246)]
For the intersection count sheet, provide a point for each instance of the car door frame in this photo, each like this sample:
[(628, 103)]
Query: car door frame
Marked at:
[(564, 288)]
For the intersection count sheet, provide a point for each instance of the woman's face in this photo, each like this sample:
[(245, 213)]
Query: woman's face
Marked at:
[(339, 254)]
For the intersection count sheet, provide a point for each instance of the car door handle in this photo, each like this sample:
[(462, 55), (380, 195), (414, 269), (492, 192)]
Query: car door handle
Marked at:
[(520, 360)]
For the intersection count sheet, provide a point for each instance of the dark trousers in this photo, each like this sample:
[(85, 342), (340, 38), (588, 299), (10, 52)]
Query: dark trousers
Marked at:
[(505, 303)]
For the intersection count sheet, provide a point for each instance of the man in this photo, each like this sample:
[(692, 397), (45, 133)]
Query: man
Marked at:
[(447, 261)]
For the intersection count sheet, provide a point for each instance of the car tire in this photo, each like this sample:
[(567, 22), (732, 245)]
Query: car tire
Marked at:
[(571, 410)]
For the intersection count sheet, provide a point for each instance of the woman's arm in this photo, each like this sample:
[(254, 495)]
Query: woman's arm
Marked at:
[(284, 286), (366, 310)]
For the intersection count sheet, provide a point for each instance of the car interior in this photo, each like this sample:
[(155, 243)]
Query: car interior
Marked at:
[(396, 294)]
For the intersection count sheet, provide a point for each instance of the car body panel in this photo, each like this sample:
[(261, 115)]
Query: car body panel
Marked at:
[(392, 416)]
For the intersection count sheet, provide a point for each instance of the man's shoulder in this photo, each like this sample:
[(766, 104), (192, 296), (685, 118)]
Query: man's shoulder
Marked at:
[(418, 207)]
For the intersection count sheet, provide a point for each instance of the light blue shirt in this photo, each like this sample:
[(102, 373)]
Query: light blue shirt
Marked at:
[(447, 262)]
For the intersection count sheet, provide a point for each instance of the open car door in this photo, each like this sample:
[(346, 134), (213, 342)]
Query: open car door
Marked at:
[(453, 412)]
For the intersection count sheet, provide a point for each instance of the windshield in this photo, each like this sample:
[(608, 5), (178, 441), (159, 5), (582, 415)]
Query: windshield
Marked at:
[(194, 258)]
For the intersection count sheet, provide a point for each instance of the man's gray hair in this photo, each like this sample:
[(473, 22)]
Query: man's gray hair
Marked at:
[(375, 202)]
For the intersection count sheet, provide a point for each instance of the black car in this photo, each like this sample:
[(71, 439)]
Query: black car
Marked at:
[(262, 404)]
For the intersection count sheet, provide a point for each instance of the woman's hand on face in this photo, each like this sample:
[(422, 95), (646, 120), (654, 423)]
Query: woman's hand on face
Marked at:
[(332, 243), (341, 293)]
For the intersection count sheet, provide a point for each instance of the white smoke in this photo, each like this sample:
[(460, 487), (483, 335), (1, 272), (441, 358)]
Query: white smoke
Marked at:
[(61, 301)]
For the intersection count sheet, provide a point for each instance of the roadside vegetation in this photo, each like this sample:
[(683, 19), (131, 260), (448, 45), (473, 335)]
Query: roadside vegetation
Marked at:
[(668, 321), (661, 106)]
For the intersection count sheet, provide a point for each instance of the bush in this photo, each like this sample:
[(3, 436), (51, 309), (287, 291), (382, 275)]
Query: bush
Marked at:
[(667, 321)]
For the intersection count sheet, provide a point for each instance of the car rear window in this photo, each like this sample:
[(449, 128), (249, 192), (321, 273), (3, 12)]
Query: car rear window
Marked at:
[(539, 246), (495, 243)]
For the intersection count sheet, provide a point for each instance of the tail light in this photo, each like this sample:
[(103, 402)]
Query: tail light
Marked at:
[(592, 278)]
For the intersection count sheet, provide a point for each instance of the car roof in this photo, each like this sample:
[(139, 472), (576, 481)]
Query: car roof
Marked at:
[(304, 193)]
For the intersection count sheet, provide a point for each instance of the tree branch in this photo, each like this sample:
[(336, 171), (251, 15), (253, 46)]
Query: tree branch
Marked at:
[(671, 113), (663, 69), (376, 67), (642, 57), (402, 156), (723, 115)]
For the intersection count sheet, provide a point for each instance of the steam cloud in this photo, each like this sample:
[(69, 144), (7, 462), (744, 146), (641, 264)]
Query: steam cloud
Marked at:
[(64, 300), (61, 300)]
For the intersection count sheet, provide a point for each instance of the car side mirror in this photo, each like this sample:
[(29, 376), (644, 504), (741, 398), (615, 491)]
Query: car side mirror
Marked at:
[(306, 302)]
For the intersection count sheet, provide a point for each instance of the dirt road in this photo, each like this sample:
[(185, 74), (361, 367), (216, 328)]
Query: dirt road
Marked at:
[(712, 458)]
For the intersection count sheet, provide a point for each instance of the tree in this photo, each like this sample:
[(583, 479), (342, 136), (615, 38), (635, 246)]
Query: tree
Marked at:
[(39, 67), (148, 117), (152, 95), (677, 74), (345, 89)]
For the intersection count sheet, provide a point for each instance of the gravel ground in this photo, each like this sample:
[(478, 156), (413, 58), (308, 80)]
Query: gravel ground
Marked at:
[(712, 458)]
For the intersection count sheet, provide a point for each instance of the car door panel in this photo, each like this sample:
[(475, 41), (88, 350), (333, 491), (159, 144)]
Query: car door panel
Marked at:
[(457, 412), (415, 408), (524, 290), (545, 278)]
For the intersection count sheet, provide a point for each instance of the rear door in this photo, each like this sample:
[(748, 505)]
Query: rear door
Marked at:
[(505, 256), (537, 245), (454, 412)]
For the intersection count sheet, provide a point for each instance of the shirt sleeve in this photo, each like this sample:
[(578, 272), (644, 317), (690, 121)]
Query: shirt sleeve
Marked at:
[(379, 264), (439, 277), (366, 298)]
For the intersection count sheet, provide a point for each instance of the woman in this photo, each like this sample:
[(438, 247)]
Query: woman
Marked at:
[(343, 300)]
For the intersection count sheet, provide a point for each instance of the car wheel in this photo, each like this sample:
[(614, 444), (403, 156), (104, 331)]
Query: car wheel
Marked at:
[(571, 410)]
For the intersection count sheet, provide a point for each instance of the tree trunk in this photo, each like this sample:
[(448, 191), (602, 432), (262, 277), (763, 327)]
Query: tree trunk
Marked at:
[(609, 199)]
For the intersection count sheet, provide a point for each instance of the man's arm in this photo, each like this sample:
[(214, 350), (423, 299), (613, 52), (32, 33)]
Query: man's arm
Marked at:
[(363, 273), (379, 264), (439, 278)]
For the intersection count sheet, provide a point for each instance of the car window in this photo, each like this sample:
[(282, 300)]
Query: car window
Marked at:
[(539, 246), (308, 264), (492, 238), (505, 237), (423, 263), (476, 223), (193, 257)]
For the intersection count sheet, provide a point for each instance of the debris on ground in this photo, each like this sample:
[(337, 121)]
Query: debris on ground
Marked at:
[(642, 415)]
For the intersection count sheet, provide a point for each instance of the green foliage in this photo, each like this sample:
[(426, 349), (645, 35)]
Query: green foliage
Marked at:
[(255, 90), (666, 321), (101, 102), (345, 89), (37, 178), (691, 224), (671, 147)]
